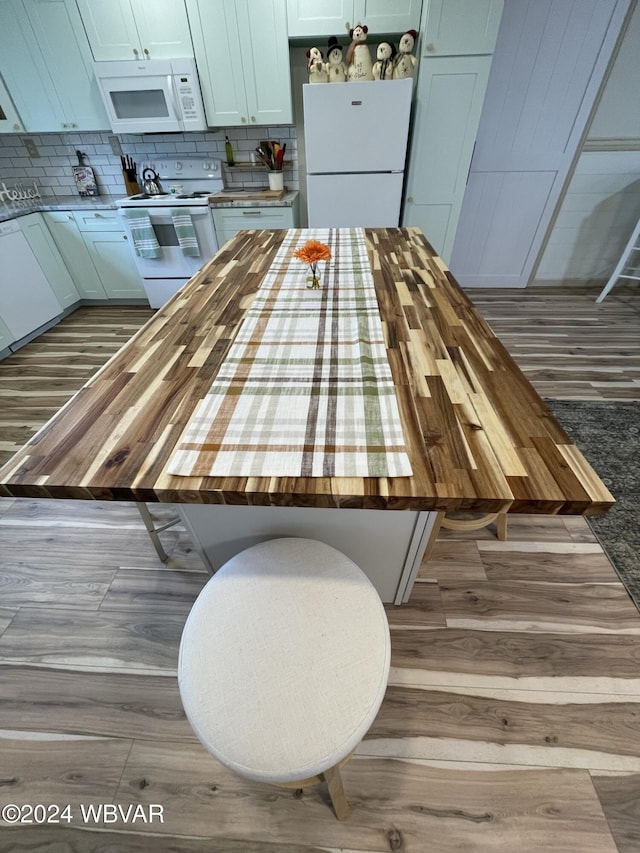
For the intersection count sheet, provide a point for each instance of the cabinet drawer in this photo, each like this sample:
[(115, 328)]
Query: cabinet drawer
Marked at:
[(97, 220), (235, 219)]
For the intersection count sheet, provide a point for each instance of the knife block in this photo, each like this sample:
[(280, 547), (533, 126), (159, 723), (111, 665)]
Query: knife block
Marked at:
[(131, 187)]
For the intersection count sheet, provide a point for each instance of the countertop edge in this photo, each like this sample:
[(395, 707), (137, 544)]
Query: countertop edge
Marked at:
[(74, 202), (41, 205), (287, 200)]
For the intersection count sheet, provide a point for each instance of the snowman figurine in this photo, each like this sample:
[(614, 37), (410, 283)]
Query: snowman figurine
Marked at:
[(336, 69), (383, 66), (359, 62), (315, 66), (405, 63)]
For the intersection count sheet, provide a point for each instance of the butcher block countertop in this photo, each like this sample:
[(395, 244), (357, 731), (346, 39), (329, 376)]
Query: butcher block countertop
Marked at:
[(478, 435), (257, 198)]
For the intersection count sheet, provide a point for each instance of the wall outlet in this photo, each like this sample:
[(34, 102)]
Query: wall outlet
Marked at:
[(31, 147), (114, 142)]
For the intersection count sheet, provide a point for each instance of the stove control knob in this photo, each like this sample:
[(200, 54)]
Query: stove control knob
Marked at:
[(206, 166), (178, 166)]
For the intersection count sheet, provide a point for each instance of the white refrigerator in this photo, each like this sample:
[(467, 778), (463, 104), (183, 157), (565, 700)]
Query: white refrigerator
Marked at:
[(355, 146)]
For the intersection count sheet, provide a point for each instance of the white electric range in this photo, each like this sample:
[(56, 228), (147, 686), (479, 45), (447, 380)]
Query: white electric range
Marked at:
[(187, 185)]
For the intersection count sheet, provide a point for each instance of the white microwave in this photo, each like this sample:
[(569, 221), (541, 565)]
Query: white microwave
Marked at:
[(158, 96)]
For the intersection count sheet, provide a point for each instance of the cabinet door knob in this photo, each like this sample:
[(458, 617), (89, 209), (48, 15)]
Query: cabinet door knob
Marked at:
[(17, 126), (253, 118), (410, 199), (124, 237), (431, 47), (243, 120), (146, 52), (135, 52), (98, 215)]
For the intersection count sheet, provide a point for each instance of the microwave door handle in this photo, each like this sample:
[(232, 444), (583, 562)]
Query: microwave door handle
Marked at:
[(174, 96)]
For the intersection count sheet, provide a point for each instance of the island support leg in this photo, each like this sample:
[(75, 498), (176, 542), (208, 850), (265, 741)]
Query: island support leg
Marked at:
[(388, 545), (425, 533), (153, 531)]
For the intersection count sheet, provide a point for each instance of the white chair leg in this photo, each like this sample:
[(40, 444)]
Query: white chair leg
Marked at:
[(615, 275)]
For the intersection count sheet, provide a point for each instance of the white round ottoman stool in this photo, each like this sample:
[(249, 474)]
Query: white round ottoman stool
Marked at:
[(284, 662)]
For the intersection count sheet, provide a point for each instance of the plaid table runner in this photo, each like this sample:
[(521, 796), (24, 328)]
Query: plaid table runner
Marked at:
[(306, 388)]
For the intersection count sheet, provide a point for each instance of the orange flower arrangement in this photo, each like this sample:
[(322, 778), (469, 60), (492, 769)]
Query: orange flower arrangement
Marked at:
[(312, 252)]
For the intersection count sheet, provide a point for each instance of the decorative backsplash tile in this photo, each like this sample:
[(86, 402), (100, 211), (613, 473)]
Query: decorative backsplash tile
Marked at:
[(52, 172)]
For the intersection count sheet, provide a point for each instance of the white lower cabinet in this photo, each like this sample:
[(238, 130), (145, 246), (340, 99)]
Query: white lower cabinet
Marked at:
[(34, 228), (68, 238), (113, 259), (97, 253), (230, 220), (27, 301)]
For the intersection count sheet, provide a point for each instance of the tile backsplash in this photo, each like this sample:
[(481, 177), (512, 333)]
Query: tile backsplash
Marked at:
[(52, 169)]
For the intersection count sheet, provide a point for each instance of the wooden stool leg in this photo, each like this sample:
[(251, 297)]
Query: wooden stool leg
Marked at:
[(469, 523), (463, 524), (501, 526), (336, 792)]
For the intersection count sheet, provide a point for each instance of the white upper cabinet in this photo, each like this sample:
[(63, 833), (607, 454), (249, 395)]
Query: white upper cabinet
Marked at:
[(311, 18), (330, 18), (47, 67), (460, 27), (136, 29), (63, 43), (243, 61), (23, 69), (388, 16), (10, 121)]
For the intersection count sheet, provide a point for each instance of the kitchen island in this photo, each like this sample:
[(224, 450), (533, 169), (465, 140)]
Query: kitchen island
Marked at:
[(477, 434)]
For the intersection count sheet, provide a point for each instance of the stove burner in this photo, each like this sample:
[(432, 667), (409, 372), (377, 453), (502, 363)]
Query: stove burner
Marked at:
[(141, 196), (195, 194)]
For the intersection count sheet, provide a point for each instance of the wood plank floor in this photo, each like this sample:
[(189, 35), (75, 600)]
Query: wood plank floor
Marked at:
[(512, 717), (569, 347)]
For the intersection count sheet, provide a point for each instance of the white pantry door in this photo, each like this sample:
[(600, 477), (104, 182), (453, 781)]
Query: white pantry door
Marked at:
[(457, 40), (549, 60), (445, 120)]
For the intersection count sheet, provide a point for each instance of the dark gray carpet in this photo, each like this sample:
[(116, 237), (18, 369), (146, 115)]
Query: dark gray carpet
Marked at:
[(608, 434)]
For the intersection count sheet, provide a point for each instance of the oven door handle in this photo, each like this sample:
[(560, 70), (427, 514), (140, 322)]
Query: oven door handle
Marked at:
[(162, 215)]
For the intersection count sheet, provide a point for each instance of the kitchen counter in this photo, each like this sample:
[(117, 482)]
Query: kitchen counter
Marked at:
[(236, 198), (59, 202), (477, 434), (227, 198)]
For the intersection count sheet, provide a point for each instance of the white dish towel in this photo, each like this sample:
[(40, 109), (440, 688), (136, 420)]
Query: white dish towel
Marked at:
[(183, 224), (144, 237)]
